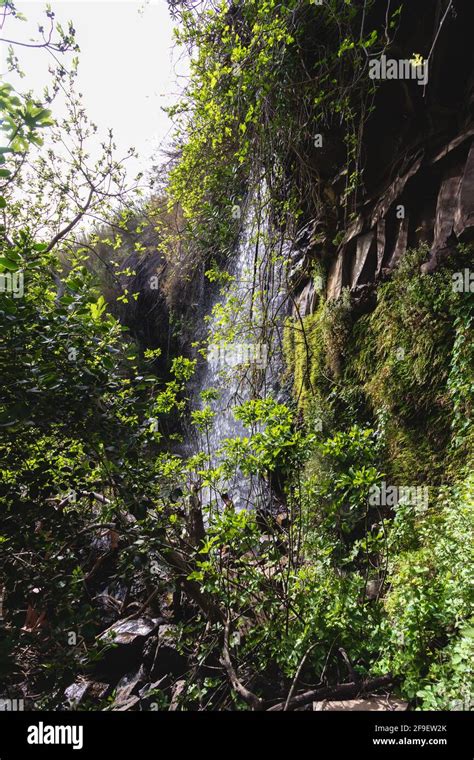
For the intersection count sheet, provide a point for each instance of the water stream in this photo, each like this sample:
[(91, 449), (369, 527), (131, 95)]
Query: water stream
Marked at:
[(244, 357)]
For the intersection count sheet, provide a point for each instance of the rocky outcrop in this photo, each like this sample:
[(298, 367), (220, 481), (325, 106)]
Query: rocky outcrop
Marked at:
[(142, 662), (432, 202), (417, 184)]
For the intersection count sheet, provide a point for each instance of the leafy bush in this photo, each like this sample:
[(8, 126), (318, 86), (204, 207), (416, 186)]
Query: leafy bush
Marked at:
[(426, 632)]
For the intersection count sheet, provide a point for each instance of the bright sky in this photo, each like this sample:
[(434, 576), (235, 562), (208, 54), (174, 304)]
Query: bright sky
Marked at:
[(128, 69)]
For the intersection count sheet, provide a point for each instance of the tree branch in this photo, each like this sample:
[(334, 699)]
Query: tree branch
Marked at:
[(339, 693), (248, 696), (72, 224)]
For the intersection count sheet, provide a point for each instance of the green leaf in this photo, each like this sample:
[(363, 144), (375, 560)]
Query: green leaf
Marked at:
[(12, 266)]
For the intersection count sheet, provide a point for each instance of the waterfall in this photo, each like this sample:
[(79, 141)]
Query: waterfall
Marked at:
[(244, 356)]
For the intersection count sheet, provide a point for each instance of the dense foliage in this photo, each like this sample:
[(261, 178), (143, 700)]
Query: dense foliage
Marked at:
[(107, 514)]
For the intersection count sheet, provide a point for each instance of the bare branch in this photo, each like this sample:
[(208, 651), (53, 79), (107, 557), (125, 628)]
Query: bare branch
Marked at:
[(248, 696)]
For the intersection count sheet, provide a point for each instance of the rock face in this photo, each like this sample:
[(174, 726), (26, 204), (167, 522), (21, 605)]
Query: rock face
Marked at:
[(432, 202), (417, 183), (147, 316)]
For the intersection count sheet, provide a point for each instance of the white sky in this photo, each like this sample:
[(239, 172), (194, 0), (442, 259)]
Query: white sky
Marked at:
[(127, 72)]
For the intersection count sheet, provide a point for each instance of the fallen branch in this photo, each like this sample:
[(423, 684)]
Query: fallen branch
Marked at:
[(338, 693), (97, 496)]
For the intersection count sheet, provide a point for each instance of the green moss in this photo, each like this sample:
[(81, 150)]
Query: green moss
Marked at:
[(402, 359), (303, 355), (407, 369), (314, 349)]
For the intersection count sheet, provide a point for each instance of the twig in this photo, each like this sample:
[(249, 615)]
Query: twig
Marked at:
[(248, 696), (352, 674), (96, 526), (297, 675), (427, 62)]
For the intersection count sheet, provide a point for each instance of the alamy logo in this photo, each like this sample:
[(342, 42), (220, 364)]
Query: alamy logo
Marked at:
[(42, 734), (389, 496), (390, 68), (463, 282), (12, 282), (235, 354), (11, 705)]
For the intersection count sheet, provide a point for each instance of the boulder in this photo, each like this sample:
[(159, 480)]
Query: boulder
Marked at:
[(178, 689), (76, 692), (129, 686), (126, 632), (127, 639), (83, 689), (146, 692)]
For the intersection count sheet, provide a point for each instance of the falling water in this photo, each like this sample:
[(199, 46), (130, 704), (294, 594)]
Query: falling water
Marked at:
[(244, 358)]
